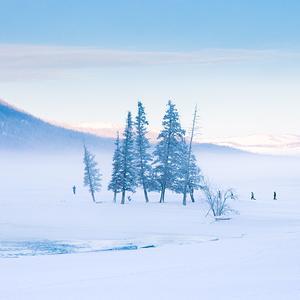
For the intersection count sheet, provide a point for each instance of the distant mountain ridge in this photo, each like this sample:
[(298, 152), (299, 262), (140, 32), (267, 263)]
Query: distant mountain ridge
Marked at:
[(20, 130), (284, 144)]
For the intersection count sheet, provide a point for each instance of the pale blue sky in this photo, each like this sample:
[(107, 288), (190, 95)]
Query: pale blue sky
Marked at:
[(74, 61), (153, 25)]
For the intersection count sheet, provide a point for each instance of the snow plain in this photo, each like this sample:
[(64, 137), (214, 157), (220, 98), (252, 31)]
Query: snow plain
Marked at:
[(57, 246)]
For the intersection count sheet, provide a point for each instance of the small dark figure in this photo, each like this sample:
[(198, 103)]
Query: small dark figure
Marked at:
[(74, 189), (129, 198), (252, 196), (275, 196)]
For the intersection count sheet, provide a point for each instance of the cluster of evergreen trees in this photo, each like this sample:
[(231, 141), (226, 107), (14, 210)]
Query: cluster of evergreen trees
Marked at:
[(171, 166)]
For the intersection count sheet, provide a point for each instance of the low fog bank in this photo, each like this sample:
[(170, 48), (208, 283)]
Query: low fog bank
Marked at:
[(49, 176), (260, 174)]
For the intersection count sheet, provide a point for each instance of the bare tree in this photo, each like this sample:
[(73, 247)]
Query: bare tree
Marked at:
[(217, 200), (189, 164)]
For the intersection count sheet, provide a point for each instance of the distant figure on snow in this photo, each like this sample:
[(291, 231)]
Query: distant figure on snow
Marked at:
[(252, 196), (275, 196), (129, 198), (74, 189)]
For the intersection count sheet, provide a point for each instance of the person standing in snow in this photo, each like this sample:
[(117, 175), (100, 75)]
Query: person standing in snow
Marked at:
[(275, 196), (74, 189), (252, 196)]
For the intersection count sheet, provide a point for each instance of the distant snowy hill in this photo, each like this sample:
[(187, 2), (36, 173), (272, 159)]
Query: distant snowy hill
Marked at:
[(20, 130), (286, 144)]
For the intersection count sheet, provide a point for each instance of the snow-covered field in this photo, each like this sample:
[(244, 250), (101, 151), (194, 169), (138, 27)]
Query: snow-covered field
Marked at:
[(58, 246)]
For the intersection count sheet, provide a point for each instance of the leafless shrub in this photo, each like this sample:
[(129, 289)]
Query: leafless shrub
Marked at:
[(218, 200)]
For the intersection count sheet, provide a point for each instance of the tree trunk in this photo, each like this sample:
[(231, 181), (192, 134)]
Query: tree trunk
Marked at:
[(115, 197), (146, 195), (184, 195), (184, 198), (93, 196), (162, 195), (123, 197), (192, 195)]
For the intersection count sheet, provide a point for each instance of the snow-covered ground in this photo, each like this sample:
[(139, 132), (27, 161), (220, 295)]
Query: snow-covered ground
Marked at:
[(58, 246)]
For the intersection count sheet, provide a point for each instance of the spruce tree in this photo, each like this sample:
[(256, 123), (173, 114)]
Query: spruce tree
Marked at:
[(92, 175), (168, 151), (144, 158), (128, 160), (195, 177), (115, 182), (189, 175)]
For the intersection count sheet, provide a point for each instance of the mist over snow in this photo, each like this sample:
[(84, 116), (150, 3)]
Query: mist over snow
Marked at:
[(281, 144), (71, 246), (55, 154), (57, 245), (150, 150)]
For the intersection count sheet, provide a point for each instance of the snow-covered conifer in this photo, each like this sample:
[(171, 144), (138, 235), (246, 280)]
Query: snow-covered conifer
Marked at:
[(168, 151), (92, 175), (115, 182), (128, 161), (195, 177), (189, 175), (144, 158)]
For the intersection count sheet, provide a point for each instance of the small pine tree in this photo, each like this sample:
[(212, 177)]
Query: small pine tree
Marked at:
[(195, 177), (189, 175), (115, 183), (144, 158), (168, 151), (128, 160), (92, 175)]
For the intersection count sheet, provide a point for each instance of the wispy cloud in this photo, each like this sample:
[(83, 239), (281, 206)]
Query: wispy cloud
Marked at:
[(31, 61)]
